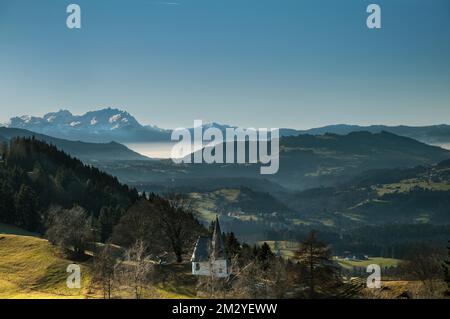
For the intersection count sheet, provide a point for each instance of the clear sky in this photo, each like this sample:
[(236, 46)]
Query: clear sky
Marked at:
[(261, 63)]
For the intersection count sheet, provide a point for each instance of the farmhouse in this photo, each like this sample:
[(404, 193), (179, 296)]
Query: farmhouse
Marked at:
[(209, 257)]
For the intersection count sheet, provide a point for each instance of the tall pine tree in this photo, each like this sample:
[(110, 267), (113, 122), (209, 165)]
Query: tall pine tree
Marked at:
[(27, 214)]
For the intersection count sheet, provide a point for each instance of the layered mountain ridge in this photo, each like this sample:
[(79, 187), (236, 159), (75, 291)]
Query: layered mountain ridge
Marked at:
[(112, 124)]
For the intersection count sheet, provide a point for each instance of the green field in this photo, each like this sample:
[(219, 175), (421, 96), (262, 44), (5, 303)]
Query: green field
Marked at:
[(288, 249), (382, 262), (206, 204), (408, 185)]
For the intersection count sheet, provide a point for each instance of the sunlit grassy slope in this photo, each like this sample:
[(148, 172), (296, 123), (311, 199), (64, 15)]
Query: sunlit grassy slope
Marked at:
[(382, 262), (30, 268)]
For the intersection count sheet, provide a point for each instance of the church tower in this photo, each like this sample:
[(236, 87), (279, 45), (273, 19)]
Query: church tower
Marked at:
[(210, 257)]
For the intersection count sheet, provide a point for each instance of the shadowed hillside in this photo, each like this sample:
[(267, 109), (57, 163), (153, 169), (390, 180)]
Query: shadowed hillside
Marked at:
[(306, 161), (35, 176), (90, 152)]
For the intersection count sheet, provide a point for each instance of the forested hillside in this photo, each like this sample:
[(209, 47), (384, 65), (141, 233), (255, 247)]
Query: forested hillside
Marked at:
[(35, 175), (306, 162), (413, 195), (88, 152), (44, 190)]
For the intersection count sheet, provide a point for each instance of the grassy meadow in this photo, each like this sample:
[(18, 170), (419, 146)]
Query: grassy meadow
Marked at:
[(31, 268)]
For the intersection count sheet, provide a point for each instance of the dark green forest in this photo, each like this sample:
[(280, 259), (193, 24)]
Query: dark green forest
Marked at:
[(35, 176)]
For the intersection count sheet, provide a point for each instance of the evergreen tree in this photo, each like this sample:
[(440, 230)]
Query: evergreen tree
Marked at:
[(232, 245), (3, 150), (7, 209), (265, 256), (108, 218), (26, 207)]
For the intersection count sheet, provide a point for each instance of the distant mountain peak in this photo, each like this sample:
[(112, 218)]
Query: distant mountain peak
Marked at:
[(216, 125), (64, 111), (102, 125)]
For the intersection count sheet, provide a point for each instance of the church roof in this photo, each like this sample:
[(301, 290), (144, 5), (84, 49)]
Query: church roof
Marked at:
[(207, 247), (201, 250)]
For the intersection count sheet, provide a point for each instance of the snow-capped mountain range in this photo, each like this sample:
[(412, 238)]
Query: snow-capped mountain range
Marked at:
[(100, 126), (111, 124), (104, 125)]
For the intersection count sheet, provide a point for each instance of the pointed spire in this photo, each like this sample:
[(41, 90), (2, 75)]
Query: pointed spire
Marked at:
[(217, 226), (217, 245)]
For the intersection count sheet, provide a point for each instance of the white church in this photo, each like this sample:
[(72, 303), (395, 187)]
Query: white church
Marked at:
[(209, 257)]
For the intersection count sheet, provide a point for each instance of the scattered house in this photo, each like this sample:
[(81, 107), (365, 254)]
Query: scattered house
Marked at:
[(209, 257), (277, 249), (353, 257), (236, 213)]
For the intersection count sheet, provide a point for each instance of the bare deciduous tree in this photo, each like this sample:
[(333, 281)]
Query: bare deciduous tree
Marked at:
[(178, 224), (447, 271), (105, 270), (70, 229), (164, 226), (424, 264), (317, 267), (138, 268)]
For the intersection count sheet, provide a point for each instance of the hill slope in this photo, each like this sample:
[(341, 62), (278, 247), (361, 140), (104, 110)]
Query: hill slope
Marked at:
[(90, 152), (415, 195), (31, 268), (433, 134), (308, 161), (35, 176), (243, 204)]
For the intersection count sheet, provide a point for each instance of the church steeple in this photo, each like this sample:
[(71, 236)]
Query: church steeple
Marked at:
[(209, 257), (217, 245)]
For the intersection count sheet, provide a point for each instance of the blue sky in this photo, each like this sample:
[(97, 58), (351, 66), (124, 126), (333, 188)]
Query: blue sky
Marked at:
[(277, 63)]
